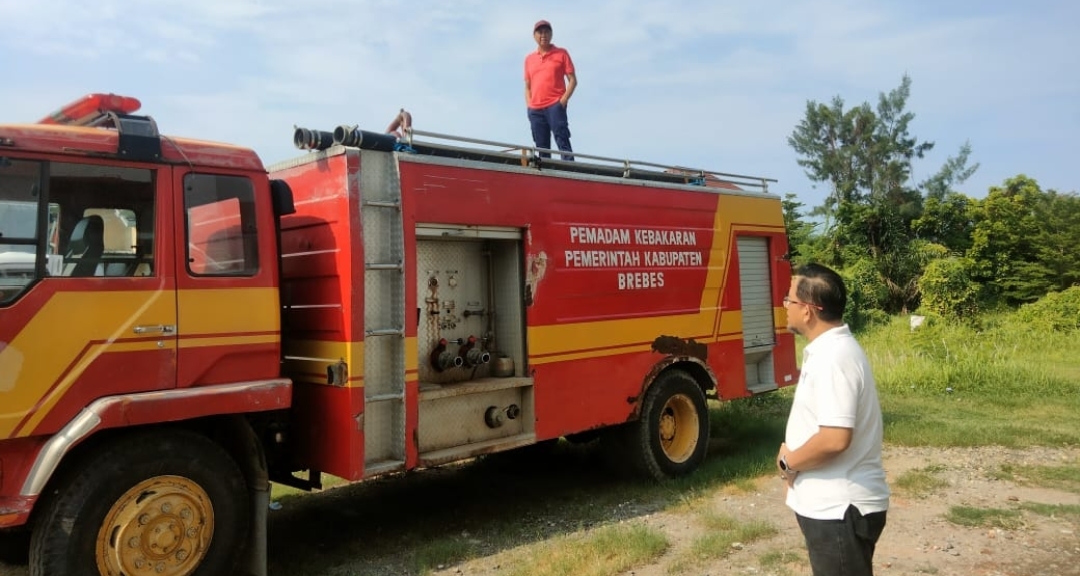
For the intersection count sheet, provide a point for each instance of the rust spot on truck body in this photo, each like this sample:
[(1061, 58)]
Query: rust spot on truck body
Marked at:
[(675, 346)]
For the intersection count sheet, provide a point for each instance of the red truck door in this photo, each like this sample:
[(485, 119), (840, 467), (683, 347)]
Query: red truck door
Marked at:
[(227, 300), (101, 319)]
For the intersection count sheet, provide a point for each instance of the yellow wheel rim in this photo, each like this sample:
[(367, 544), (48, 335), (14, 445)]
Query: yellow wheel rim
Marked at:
[(161, 527), (679, 428)]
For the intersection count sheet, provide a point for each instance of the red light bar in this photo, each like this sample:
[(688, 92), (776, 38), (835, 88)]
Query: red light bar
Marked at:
[(89, 108)]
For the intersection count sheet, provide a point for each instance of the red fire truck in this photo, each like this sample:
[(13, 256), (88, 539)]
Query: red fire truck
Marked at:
[(180, 326)]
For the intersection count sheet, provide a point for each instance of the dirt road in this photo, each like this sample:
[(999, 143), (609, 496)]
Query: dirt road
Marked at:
[(388, 526), (917, 540)]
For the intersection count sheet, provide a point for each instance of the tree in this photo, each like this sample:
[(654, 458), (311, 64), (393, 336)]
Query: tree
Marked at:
[(1058, 239), (798, 231), (947, 220), (954, 172), (865, 155), (1004, 242), (1024, 240), (873, 212)]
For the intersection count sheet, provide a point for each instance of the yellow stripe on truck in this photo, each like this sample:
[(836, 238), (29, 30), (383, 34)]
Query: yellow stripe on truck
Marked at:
[(67, 324), (229, 311), (734, 214), (58, 333)]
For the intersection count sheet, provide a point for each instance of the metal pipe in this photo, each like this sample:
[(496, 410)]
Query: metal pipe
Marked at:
[(476, 357), (490, 257), (306, 139), (357, 138)]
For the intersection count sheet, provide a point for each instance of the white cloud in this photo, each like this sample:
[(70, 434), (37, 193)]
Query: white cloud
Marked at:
[(718, 85)]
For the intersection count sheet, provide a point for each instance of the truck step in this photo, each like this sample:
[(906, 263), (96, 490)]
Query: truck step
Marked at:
[(383, 204), (445, 455), (385, 332), (382, 466), (399, 396)]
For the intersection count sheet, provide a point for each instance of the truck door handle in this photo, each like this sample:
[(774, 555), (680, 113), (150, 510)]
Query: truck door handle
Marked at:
[(154, 329)]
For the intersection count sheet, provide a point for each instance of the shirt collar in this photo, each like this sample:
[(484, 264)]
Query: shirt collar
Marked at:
[(825, 337)]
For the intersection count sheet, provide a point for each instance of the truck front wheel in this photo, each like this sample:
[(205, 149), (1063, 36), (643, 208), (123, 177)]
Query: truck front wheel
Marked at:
[(169, 503), (670, 437)]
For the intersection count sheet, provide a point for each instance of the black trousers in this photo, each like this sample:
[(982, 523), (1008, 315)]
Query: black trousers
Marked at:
[(548, 121), (843, 547)]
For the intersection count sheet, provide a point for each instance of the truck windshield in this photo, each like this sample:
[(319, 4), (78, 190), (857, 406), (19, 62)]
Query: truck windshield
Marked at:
[(20, 197)]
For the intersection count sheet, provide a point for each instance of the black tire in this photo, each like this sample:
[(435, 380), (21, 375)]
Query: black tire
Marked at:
[(672, 435), (15, 546), (171, 497)]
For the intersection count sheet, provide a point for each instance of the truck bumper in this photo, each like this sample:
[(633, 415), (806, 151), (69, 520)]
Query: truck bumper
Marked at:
[(15, 510)]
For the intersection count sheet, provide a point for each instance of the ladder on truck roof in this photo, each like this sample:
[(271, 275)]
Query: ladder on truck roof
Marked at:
[(384, 314)]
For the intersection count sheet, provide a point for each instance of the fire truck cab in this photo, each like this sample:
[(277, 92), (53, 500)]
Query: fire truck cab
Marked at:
[(180, 325)]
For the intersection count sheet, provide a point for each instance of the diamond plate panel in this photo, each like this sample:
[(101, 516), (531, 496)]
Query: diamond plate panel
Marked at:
[(509, 303), (451, 288), (384, 307), (382, 420), (459, 420)]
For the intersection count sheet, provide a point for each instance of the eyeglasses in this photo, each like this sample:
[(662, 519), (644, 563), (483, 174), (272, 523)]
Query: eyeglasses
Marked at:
[(788, 301)]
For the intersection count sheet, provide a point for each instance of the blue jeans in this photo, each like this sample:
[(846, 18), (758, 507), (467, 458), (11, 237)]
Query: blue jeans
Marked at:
[(546, 121), (843, 547)]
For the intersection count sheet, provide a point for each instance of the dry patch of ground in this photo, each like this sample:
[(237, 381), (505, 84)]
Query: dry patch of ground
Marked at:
[(1019, 535)]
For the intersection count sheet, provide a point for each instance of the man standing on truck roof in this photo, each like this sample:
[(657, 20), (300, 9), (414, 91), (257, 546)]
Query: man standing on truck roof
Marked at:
[(549, 82), (831, 457)]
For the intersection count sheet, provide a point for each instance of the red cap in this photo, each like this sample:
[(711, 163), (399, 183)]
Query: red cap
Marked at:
[(541, 24)]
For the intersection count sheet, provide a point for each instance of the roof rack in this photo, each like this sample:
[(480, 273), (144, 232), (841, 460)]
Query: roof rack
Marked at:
[(404, 139), (602, 165)]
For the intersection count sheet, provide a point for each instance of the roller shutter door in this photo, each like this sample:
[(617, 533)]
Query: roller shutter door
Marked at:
[(755, 283)]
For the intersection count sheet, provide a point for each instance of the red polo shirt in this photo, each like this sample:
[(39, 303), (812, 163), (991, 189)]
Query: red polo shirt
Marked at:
[(546, 74)]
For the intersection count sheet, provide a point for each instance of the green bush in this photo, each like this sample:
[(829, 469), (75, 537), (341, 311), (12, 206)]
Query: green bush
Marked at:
[(867, 295), (1057, 311), (949, 289)]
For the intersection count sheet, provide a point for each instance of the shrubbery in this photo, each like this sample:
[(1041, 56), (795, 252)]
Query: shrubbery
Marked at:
[(1059, 311), (949, 289)]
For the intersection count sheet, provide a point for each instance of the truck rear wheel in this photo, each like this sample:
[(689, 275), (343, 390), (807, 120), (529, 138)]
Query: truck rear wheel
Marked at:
[(169, 503), (670, 437)]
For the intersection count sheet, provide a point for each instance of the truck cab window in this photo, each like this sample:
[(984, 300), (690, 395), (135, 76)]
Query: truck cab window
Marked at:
[(61, 219), (220, 226), (106, 223), (20, 206)]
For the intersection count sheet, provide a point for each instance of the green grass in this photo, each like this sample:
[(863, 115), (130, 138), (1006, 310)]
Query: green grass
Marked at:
[(1066, 477), (442, 552), (920, 482), (984, 517), (604, 552), (779, 558), (1070, 511), (953, 385), (721, 533), (779, 562)]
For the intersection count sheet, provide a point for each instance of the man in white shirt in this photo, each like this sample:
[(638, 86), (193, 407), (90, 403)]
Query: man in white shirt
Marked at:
[(831, 457)]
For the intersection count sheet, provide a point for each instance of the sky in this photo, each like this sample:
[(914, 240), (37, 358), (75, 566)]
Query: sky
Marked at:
[(711, 84)]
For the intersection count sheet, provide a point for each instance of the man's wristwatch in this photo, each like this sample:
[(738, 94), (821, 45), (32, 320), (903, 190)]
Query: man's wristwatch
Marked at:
[(784, 466)]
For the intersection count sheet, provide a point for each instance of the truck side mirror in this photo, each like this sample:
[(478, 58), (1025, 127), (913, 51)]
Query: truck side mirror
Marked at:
[(281, 197)]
